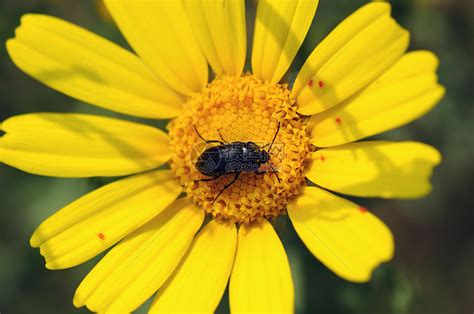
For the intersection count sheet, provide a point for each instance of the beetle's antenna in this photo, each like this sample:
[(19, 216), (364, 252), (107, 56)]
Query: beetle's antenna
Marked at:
[(278, 130), (197, 132)]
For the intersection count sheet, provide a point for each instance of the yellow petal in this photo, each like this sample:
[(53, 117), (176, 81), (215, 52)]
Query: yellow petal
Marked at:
[(92, 69), (160, 33), (199, 281), (280, 28), (376, 169), (342, 235), (402, 94), (261, 278), (136, 267), (78, 145), (98, 220), (359, 50), (219, 28)]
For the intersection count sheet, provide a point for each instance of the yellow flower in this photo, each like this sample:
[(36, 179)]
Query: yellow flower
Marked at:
[(357, 82)]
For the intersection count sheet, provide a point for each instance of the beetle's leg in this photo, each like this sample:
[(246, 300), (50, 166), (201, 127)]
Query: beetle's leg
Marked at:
[(206, 141), (278, 178), (209, 179), (237, 174), (220, 135), (274, 170)]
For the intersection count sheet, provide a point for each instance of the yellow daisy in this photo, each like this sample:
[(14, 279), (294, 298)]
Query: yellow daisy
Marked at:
[(357, 82)]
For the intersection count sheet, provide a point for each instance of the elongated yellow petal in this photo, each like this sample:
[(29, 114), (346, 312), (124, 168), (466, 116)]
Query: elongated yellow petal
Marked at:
[(101, 218), (280, 28), (342, 235), (134, 269), (219, 28), (261, 278), (376, 169), (199, 281), (85, 66), (78, 145), (160, 33), (405, 92), (356, 52)]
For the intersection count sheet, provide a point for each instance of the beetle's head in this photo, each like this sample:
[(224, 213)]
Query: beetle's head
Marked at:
[(265, 156)]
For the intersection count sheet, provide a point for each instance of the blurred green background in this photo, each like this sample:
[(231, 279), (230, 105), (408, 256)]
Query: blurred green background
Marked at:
[(432, 271)]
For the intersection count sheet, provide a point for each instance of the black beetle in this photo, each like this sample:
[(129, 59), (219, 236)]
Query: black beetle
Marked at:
[(233, 158)]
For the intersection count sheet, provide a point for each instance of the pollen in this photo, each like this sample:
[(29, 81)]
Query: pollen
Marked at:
[(242, 109)]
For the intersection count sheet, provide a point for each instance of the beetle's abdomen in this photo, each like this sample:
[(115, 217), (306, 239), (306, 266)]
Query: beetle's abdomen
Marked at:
[(210, 161)]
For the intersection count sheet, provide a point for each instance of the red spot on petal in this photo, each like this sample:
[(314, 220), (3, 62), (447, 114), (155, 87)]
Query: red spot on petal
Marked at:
[(338, 120), (323, 158), (321, 84), (310, 83), (362, 209), (101, 236)]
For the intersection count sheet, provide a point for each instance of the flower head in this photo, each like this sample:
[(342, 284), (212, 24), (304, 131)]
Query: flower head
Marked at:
[(242, 148), (242, 109)]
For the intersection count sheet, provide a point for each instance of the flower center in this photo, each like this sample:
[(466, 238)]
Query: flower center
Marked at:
[(245, 110)]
